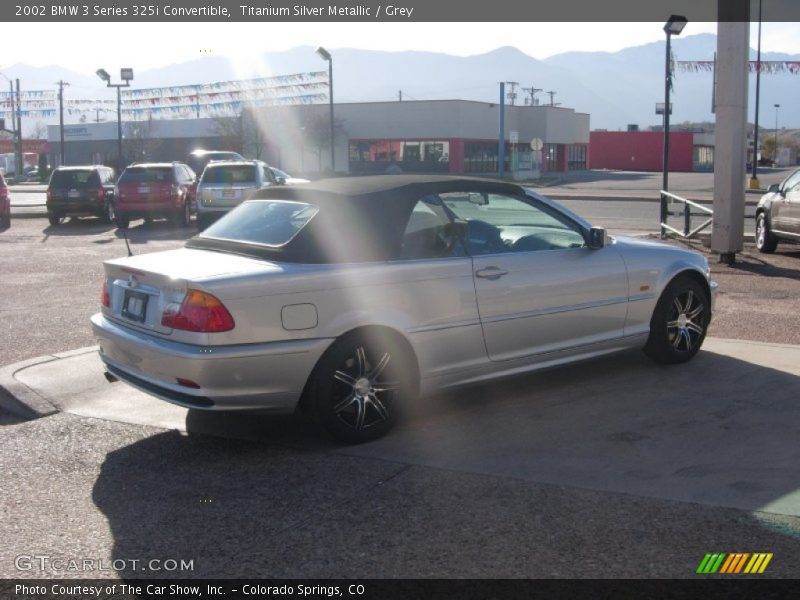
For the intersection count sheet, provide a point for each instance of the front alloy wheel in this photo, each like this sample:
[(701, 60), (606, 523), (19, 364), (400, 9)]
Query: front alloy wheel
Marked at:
[(679, 322)]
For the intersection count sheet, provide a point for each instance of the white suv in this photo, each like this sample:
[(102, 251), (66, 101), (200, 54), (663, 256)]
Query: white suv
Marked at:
[(227, 183)]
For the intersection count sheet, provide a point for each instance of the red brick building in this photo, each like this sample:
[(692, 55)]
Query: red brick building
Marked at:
[(643, 150)]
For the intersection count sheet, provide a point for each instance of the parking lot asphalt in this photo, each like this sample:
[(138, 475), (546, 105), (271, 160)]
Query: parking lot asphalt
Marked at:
[(616, 468)]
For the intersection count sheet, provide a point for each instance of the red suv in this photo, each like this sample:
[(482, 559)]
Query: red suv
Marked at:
[(5, 204), (154, 190)]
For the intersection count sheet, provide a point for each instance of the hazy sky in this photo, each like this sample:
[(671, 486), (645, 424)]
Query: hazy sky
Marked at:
[(143, 47)]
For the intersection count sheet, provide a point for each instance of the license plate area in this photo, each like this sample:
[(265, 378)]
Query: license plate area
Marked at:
[(143, 189), (73, 194), (134, 305), (229, 194)]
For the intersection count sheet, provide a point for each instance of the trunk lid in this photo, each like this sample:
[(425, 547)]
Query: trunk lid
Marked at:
[(141, 287)]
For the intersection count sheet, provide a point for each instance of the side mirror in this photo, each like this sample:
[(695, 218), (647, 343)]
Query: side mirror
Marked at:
[(280, 180), (775, 187), (598, 238)]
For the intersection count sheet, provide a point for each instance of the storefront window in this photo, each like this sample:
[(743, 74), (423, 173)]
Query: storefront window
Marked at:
[(576, 157), (378, 156), (703, 158)]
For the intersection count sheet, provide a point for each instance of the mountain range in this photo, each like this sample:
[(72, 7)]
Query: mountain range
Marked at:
[(615, 88)]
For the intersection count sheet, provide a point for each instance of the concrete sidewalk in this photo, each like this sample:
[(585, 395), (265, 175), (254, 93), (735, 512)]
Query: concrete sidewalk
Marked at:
[(720, 431)]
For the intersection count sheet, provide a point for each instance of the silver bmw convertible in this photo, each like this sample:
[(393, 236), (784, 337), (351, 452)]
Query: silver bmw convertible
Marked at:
[(348, 298)]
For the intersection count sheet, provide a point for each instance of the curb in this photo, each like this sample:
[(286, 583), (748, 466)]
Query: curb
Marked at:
[(20, 400)]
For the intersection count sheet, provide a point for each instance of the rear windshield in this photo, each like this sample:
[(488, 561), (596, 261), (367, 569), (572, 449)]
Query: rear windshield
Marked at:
[(267, 222), (231, 175), (147, 175), (198, 161), (73, 179)]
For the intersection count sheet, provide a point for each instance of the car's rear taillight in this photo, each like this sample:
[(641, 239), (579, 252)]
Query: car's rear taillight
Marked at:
[(200, 312), (49, 195), (105, 297), (100, 194)]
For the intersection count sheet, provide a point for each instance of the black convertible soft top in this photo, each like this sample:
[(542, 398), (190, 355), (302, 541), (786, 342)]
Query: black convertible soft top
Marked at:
[(360, 218)]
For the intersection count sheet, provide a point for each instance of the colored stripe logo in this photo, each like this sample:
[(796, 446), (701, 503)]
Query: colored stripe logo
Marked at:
[(734, 563)]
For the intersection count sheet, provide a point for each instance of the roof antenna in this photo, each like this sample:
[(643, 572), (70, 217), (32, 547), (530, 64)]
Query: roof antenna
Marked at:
[(127, 245)]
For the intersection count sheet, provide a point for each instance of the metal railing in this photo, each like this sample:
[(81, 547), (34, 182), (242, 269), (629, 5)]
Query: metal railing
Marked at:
[(668, 198)]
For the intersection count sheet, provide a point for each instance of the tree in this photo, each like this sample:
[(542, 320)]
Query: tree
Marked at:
[(242, 134), (315, 130), (138, 142), (39, 131)]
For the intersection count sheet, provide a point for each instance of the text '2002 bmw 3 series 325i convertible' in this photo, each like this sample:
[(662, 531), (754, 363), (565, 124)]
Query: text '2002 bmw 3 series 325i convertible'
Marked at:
[(350, 297)]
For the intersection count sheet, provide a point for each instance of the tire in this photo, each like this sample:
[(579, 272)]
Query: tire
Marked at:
[(109, 213), (54, 218), (679, 322), (202, 222), (122, 220), (5, 221), (766, 241), (356, 390), (184, 215)]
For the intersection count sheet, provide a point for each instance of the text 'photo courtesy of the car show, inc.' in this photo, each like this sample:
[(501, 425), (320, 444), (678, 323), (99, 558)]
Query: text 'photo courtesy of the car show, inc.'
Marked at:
[(377, 300)]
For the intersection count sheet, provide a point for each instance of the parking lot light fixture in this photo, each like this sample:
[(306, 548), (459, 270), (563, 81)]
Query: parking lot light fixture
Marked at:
[(325, 55), (126, 74)]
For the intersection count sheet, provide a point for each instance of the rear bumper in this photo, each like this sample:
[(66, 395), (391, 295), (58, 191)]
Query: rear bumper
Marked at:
[(140, 210), (77, 207), (269, 376)]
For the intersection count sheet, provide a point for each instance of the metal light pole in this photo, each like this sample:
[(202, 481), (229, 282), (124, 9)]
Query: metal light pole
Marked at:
[(754, 184), (126, 75), (325, 55), (775, 152), (673, 26)]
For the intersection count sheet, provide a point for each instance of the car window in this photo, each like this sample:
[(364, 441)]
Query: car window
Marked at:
[(71, 179), (498, 223), (792, 184), (268, 222), (230, 174), (146, 175), (429, 232)]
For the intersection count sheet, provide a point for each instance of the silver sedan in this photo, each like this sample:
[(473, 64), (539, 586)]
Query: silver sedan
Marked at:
[(349, 297)]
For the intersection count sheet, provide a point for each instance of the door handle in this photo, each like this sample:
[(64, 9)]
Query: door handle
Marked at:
[(491, 273)]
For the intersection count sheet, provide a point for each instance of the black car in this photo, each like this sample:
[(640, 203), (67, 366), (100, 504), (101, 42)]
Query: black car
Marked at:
[(778, 214), (79, 192)]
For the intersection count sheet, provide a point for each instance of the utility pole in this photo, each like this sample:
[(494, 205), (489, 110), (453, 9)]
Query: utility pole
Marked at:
[(501, 134), (19, 165), (61, 85), (399, 95), (552, 96), (532, 92), (754, 183), (512, 95)]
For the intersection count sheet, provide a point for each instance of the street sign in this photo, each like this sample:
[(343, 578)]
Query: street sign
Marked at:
[(536, 144), (660, 108), (514, 137)]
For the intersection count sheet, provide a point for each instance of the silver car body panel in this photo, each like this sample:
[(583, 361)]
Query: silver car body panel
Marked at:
[(554, 307)]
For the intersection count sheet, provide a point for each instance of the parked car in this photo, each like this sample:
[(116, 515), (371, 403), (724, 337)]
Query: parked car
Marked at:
[(778, 214), (283, 177), (5, 204), (349, 297), (80, 191), (154, 190), (198, 159), (226, 184)]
